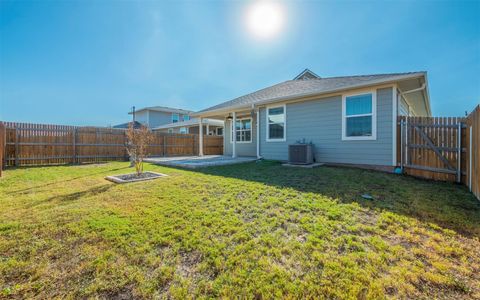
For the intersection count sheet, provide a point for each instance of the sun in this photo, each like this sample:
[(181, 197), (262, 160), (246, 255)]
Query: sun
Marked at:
[(265, 19)]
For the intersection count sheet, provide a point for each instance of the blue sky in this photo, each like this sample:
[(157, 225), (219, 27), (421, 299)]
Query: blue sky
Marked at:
[(88, 62)]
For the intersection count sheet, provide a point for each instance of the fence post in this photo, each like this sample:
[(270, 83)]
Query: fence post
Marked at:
[(402, 123), (2, 145), (17, 137), (407, 162), (470, 149), (194, 137), (459, 153), (74, 137), (125, 143), (164, 145)]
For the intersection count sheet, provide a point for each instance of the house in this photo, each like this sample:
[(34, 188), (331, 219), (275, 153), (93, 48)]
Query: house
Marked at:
[(155, 116), (349, 119), (173, 120)]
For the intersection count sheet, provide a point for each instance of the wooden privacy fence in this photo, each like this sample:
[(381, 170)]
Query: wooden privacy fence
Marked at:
[(473, 158), (40, 144), (441, 148), (431, 147), (2, 145)]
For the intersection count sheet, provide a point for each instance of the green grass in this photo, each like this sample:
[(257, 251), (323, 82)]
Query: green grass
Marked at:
[(256, 230)]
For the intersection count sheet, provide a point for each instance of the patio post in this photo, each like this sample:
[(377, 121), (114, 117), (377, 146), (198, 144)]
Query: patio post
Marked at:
[(258, 133), (208, 129), (234, 135), (200, 140)]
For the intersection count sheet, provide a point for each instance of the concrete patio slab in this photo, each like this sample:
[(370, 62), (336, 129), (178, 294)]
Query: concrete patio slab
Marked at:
[(193, 162)]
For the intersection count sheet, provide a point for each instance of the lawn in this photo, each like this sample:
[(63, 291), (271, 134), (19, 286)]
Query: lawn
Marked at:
[(257, 230)]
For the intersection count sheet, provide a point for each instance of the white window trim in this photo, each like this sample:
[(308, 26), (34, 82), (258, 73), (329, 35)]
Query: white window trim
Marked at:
[(178, 117), (373, 114), (251, 131), (284, 123)]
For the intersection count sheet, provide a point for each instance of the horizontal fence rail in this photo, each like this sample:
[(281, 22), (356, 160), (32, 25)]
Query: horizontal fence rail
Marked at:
[(441, 148), (26, 144), (433, 147)]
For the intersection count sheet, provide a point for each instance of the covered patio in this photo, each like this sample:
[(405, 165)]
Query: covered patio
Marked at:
[(247, 132), (193, 162)]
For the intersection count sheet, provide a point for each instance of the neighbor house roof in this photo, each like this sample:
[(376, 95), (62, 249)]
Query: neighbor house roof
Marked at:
[(125, 125), (292, 89), (164, 109), (191, 122)]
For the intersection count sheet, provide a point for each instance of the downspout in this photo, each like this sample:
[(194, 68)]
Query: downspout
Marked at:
[(257, 123)]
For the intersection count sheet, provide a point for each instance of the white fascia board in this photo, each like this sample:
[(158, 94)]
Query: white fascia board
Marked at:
[(191, 122)]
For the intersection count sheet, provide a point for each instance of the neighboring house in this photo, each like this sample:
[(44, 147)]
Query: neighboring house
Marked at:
[(159, 115), (350, 119), (174, 120)]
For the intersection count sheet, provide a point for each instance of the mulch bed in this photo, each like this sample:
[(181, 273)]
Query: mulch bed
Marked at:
[(133, 177)]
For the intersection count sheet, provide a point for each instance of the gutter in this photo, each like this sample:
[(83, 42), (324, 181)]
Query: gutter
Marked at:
[(279, 99), (414, 90), (425, 95)]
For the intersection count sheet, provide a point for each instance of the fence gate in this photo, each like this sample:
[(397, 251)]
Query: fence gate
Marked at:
[(432, 147)]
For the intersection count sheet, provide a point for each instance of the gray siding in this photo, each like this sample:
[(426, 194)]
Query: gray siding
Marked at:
[(321, 122), (158, 118), (243, 149), (141, 117), (155, 118)]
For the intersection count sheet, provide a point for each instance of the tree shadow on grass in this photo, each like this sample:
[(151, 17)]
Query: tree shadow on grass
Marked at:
[(27, 190), (68, 198), (447, 205)]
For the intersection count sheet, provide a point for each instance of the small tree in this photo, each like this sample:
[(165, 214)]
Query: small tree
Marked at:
[(137, 143)]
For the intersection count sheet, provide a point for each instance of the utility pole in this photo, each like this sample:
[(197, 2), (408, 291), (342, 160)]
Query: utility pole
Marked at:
[(133, 113)]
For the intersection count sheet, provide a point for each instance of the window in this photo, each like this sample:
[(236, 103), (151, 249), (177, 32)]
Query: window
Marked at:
[(183, 130), (175, 118), (219, 131), (359, 117), (186, 117), (244, 131), (170, 130), (276, 125)]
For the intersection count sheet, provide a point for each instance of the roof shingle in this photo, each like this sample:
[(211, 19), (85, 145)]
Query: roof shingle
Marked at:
[(293, 88)]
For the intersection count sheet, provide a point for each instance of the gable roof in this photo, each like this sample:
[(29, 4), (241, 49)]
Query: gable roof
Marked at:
[(306, 74), (292, 89), (164, 109)]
